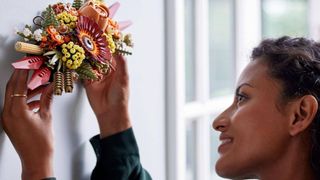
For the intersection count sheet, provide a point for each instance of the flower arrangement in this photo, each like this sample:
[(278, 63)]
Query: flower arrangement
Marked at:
[(71, 41)]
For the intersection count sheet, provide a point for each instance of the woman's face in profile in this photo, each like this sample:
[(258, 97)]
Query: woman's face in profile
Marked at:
[(254, 131)]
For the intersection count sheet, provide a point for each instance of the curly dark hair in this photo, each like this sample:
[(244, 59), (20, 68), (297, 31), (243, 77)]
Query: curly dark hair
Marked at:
[(295, 62)]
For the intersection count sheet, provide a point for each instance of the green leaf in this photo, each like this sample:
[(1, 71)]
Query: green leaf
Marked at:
[(49, 18), (85, 71), (77, 4)]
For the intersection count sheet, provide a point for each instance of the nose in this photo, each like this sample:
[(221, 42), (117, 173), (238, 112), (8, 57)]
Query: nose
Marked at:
[(221, 123)]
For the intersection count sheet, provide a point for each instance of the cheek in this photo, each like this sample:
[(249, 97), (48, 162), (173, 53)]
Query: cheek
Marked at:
[(254, 123), (258, 123), (258, 137), (260, 127)]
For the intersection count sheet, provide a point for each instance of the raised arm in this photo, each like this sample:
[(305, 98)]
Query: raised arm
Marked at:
[(116, 148)]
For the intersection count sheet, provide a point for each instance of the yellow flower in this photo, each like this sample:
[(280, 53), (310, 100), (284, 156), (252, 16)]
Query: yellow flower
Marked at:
[(70, 45), (73, 50), (73, 55), (64, 50), (111, 44), (67, 19), (64, 58), (69, 63)]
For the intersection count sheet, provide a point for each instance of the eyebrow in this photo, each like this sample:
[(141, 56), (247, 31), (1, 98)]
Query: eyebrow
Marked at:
[(243, 84)]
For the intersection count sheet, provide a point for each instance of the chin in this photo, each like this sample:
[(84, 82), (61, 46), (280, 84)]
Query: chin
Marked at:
[(223, 170), (232, 172), (232, 175)]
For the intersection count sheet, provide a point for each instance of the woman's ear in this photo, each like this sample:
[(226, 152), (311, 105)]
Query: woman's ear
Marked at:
[(305, 109)]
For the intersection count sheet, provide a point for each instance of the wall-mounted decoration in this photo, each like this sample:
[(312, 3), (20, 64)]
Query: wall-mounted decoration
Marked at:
[(72, 41)]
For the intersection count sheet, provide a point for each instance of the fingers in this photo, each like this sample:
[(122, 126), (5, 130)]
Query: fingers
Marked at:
[(121, 73), (34, 105), (21, 82), (20, 88), (9, 89), (121, 64), (87, 82), (46, 101), (35, 92), (32, 93), (17, 85)]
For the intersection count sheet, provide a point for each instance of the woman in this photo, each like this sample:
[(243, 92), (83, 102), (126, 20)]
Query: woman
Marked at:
[(272, 129)]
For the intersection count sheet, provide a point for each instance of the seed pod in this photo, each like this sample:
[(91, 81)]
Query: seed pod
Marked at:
[(28, 48), (68, 81), (58, 83)]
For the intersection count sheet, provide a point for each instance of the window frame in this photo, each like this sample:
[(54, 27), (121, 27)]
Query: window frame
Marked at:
[(179, 113)]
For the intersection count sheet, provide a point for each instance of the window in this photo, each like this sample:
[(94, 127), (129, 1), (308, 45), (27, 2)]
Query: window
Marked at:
[(209, 75), (189, 50), (202, 62), (191, 151), (222, 74), (284, 17), (221, 47), (214, 136)]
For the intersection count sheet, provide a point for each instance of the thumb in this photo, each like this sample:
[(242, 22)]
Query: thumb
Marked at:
[(86, 82), (121, 65), (46, 101)]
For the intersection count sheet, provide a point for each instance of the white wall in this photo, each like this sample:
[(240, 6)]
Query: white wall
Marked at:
[(74, 122)]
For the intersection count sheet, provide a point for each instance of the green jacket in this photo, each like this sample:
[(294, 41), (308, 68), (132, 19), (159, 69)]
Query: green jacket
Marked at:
[(118, 158)]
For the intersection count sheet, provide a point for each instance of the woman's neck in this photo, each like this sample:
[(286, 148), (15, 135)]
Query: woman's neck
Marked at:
[(294, 164)]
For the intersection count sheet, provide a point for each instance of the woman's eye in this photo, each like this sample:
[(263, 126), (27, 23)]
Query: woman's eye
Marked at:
[(240, 98)]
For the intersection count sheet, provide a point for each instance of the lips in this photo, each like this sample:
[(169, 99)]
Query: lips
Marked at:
[(226, 142)]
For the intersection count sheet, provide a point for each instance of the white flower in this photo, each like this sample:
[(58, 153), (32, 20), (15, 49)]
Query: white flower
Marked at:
[(54, 59), (26, 32), (26, 39), (37, 34)]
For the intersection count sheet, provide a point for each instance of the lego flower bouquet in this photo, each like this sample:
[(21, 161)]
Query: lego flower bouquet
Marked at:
[(72, 41)]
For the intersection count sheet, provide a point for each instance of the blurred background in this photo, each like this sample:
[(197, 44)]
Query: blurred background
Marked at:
[(187, 57)]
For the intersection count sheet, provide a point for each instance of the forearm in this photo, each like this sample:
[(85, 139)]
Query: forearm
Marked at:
[(37, 169), (43, 173)]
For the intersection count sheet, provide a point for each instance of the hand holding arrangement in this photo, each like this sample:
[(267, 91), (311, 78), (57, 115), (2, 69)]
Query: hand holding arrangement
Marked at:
[(30, 132), (109, 99)]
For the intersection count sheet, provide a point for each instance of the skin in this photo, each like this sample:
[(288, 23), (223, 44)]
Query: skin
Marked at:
[(109, 99), (31, 132), (260, 137)]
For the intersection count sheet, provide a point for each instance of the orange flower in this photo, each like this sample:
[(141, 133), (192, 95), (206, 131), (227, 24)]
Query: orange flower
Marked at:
[(54, 34)]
